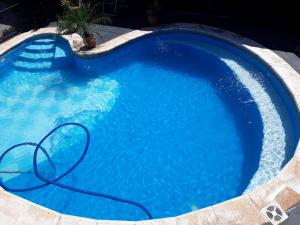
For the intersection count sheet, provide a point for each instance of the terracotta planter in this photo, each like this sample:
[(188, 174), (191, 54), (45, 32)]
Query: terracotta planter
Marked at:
[(153, 20), (90, 41)]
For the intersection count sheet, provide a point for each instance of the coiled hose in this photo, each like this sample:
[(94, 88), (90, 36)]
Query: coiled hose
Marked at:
[(46, 181)]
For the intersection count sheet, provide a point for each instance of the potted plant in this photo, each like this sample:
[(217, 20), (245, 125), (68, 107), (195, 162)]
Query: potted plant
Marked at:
[(78, 20), (154, 12)]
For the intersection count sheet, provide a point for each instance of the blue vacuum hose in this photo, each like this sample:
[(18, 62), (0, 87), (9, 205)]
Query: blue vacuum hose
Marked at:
[(46, 181)]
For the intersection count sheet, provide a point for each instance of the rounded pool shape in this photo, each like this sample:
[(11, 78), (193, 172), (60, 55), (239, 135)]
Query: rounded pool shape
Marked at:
[(179, 121)]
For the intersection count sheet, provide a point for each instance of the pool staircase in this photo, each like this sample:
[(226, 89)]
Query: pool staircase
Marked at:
[(40, 56)]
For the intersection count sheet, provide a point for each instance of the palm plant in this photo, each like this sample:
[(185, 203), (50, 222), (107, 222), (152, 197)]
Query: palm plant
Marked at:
[(78, 19)]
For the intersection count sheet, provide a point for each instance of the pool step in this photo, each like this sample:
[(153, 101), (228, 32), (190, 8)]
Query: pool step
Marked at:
[(44, 41), (33, 65), (34, 59), (36, 50), (40, 47), (34, 56)]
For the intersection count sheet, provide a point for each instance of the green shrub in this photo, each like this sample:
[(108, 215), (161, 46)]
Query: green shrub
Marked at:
[(78, 19)]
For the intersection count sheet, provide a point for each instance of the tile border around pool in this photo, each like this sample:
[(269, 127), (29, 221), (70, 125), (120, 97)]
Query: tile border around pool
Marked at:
[(244, 210)]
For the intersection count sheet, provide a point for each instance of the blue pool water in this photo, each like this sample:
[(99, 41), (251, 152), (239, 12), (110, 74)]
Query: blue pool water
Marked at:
[(178, 122)]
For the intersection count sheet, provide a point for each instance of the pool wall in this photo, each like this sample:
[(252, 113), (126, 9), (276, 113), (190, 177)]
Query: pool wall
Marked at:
[(283, 189)]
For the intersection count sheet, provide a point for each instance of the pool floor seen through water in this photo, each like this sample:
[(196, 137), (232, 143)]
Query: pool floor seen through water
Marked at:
[(169, 132)]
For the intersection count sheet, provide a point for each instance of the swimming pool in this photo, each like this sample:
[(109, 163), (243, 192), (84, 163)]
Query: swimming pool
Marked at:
[(179, 121)]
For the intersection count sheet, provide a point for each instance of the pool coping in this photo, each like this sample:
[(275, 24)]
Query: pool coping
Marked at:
[(284, 188)]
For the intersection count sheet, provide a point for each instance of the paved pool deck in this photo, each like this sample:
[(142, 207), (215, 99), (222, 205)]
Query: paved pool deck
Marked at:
[(283, 189), (294, 216)]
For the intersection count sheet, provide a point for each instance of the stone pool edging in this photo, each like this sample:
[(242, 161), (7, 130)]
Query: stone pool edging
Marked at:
[(243, 210)]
